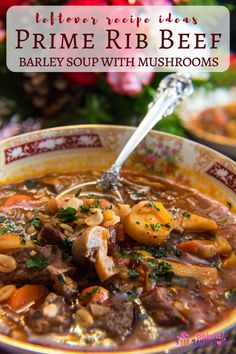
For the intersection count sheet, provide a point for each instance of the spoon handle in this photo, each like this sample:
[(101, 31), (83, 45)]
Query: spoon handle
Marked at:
[(171, 91)]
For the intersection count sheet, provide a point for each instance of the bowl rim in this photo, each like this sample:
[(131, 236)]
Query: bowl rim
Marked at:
[(224, 325), (120, 127)]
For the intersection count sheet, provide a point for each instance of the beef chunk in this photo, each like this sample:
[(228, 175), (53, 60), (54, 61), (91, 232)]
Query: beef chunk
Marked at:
[(160, 303), (170, 306), (57, 273), (62, 283), (51, 235), (119, 320), (117, 235), (53, 316)]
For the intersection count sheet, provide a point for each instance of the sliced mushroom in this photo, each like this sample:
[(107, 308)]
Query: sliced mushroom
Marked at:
[(196, 223), (95, 219), (205, 275), (122, 210), (92, 245)]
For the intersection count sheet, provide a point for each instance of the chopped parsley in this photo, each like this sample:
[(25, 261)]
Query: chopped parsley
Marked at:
[(37, 261), (3, 231), (185, 214), (216, 263), (142, 315), (36, 222), (167, 225), (155, 227), (77, 194), (13, 226), (66, 250), (2, 218), (89, 294), (93, 196), (31, 183), (9, 225), (23, 241), (133, 274), (84, 209), (230, 295), (161, 270), (157, 252), (131, 297), (93, 205), (137, 222), (61, 279), (135, 256), (67, 214), (152, 204), (176, 252), (34, 240), (126, 254)]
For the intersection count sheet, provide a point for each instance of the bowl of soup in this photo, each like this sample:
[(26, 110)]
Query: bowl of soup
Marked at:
[(214, 122), (87, 274)]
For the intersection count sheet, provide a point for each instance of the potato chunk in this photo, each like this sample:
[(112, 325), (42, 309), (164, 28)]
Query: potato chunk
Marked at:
[(11, 242), (148, 223)]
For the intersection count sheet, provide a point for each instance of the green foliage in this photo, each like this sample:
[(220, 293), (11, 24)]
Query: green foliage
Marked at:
[(225, 79), (95, 109), (171, 124), (203, 2)]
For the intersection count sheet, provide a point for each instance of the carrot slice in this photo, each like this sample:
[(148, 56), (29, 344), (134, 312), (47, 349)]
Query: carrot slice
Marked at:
[(93, 294), (27, 295), (205, 248), (101, 203), (17, 200), (200, 248)]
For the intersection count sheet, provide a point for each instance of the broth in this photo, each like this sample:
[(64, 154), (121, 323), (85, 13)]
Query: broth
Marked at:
[(86, 273)]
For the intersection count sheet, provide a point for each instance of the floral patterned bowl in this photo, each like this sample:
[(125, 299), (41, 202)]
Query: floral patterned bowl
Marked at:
[(74, 148)]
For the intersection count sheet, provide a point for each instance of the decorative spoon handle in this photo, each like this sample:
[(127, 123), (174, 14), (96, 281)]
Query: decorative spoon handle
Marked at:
[(171, 91)]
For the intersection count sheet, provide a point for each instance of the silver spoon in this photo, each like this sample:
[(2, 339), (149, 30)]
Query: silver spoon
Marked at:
[(171, 91)]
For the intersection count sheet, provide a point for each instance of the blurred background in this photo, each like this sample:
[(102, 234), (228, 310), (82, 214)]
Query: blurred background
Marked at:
[(30, 101)]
